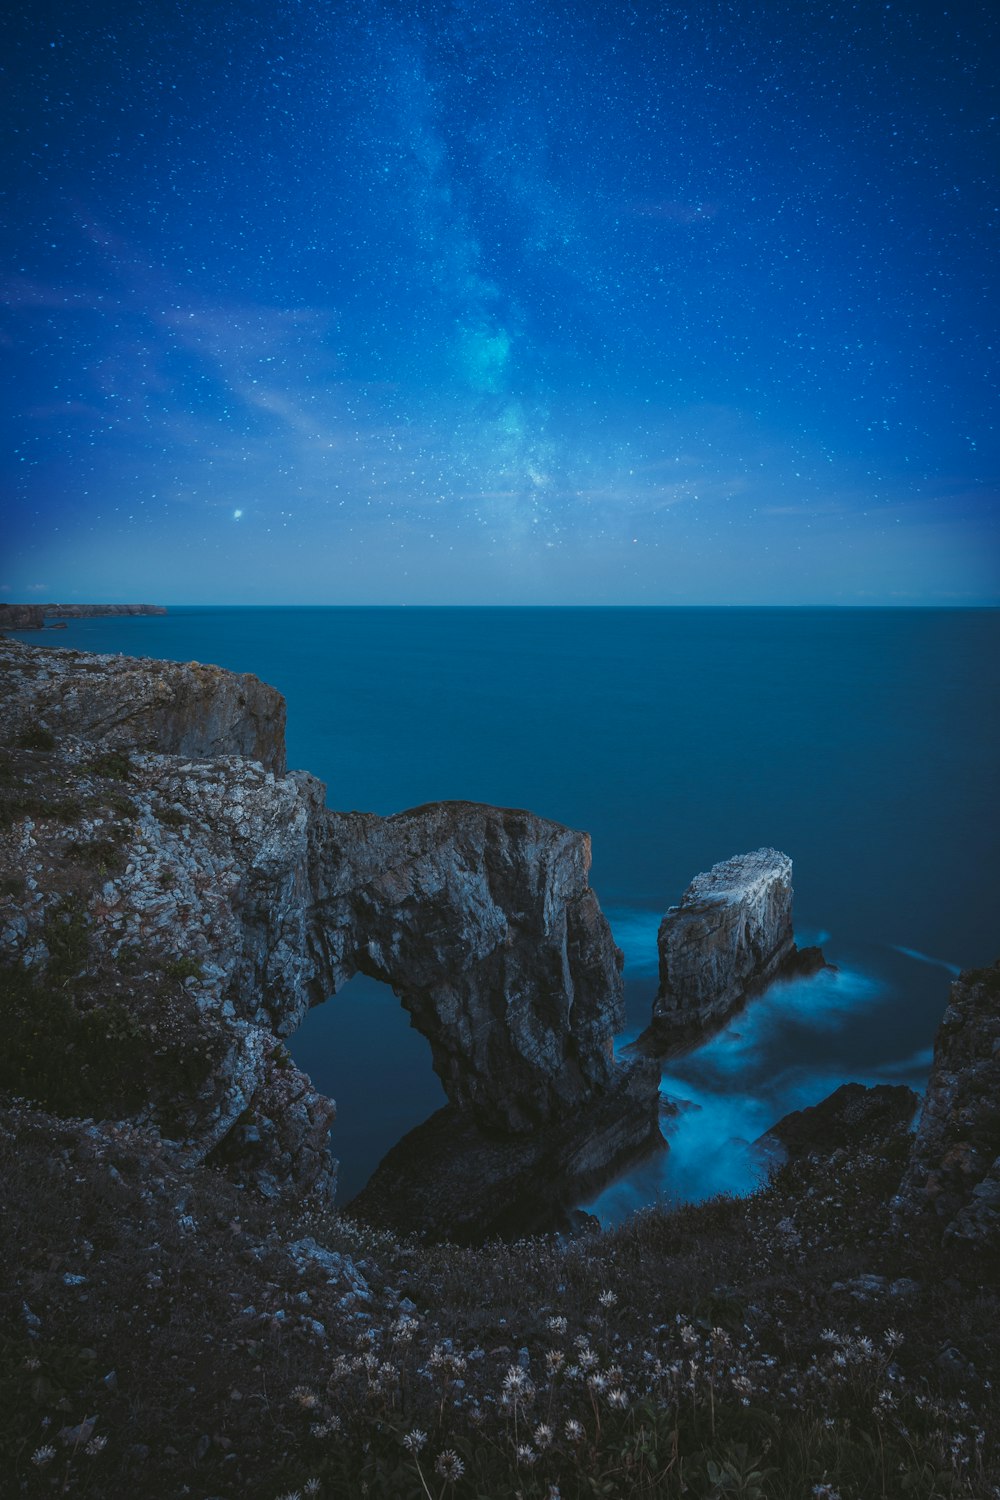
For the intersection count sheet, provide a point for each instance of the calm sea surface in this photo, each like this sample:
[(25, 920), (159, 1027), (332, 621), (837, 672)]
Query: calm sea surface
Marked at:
[(861, 742)]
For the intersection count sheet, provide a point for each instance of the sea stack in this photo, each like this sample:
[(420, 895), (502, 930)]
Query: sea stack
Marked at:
[(730, 935)]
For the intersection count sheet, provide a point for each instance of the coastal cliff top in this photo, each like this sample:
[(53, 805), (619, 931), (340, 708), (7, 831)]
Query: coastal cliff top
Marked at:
[(172, 708)]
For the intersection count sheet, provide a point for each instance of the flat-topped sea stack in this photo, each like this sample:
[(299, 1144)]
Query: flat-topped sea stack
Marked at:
[(729, 937)]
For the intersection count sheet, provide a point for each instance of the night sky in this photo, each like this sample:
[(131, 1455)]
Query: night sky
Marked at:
[(500, 301)]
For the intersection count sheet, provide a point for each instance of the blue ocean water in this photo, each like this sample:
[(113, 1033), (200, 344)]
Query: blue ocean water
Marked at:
[(861, 742)]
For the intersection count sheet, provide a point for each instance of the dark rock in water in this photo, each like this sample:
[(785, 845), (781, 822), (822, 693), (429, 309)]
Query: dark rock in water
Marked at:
[(954, 1168), (450, 1180), (839, 1122), (728, 939)]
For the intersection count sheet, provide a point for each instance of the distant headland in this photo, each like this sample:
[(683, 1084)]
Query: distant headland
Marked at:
[(35, 616)]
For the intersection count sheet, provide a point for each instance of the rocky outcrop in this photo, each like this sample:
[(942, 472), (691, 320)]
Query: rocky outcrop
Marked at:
[(840, 1122), (729, 937), (228, 892), (122, 701), (954, 1170), (34, 616)]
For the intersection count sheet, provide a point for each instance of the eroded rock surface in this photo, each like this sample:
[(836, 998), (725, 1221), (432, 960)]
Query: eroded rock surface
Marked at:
[(954, 1170), (483, 922), (207, 900), (728, 938), (121, 701)]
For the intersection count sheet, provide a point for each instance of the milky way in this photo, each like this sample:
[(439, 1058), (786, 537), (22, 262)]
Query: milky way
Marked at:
[(501, 302)]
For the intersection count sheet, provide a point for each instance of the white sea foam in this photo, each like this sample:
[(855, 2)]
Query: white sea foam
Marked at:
[(728, 1095)]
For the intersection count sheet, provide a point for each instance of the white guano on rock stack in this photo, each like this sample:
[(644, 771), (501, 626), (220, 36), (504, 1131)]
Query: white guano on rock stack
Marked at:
[(731, 933)]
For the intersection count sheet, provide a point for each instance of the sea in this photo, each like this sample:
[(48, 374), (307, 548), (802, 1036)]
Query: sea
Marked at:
[(861, 742)]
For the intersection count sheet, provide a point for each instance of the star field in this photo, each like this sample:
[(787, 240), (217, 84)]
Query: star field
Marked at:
[(500, 302)]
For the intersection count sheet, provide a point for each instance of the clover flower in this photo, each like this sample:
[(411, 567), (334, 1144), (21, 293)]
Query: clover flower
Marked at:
[(304, 1397)]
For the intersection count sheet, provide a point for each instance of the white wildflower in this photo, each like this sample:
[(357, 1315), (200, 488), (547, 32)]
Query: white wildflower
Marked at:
[(608, 1299), (449, 1465), (43, 1455), (414, 1440), (525, 1454), (573, 1430)]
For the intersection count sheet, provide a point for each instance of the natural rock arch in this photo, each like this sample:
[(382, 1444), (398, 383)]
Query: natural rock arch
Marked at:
[(483, 922)]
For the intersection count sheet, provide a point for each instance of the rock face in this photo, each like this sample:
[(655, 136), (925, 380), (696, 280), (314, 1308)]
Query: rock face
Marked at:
[(227, 893), (849, 1115), (954, 1169), (483, 922), (149, 705), (730, 935), (33, 616)]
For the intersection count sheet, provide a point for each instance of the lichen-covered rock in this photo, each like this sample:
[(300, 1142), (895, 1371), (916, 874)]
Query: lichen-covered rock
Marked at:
[(174, 708), (954, 1169)]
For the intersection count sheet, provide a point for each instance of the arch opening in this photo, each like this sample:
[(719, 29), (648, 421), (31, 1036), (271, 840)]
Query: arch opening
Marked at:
[(360, 1049)]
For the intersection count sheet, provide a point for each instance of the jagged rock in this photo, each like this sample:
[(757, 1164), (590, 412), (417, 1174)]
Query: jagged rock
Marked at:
[(954, 1167), (120, 701), (843, 1119), (261, 901), (729, 937)]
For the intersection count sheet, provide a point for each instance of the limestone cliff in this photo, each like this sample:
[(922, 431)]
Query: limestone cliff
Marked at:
[(954, 1169), (213, 894)]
